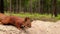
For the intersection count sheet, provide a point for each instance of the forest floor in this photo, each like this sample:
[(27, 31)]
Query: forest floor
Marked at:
[(38, 27)]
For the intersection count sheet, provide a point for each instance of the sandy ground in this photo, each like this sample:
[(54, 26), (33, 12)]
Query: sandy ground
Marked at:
[(38, 27)]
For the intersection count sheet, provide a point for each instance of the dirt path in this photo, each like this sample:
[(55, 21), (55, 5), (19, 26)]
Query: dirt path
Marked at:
[(38, 27)]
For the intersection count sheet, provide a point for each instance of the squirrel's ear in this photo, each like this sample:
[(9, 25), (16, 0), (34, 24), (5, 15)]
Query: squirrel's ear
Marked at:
[(26, 18)]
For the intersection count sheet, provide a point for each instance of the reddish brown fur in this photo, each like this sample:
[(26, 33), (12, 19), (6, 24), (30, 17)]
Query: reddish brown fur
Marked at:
[(16, 21), (2, 16)]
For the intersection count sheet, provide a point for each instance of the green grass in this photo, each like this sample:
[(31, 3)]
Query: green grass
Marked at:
[(58, 18), (36, 16)]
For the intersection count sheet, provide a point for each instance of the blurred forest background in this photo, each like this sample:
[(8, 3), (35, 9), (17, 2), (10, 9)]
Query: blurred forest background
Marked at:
[(31, 6)]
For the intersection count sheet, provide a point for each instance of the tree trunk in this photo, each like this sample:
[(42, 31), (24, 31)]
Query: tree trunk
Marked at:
[(30, 6), (41, 6), (55, 8), (1, 6), (10, 6)]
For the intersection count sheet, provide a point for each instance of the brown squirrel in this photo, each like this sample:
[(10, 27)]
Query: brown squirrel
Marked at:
[(16, 21)]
